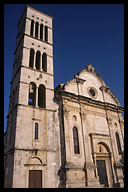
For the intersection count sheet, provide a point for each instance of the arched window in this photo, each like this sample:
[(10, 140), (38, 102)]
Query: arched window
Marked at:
[(42, 96), (36, 130), (31, 58), (36, 29), (118, 144), (32, 94), (76, 141), (38, 60), (44, 62), (41, 31), (74, 118), (46, 33), (32, 27)]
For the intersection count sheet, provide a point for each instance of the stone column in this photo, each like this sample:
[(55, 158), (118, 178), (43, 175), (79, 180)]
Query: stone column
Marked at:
[(43, 32), (39, 31), (37, 96), (113, 139), (92, 181), (34, 60), (67, 138)]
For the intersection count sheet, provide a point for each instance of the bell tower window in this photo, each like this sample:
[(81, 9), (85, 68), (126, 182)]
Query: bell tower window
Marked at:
[(38, 60), (46, 33), (44, 62), (31, 58), (42, 96), (36, 29), (41, 31), (32, 94), (32, 28)]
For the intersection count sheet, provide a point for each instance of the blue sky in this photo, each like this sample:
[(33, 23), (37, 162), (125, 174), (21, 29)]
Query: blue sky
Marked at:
[(83, 34)]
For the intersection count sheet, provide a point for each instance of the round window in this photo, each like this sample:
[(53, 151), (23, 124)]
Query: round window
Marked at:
[(92, 92)]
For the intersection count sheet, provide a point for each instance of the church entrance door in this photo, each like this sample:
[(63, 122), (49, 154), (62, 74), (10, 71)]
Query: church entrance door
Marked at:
[(101, 168), (35, 179)]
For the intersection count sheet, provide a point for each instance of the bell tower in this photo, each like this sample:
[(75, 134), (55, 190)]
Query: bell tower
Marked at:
[(30, 140)]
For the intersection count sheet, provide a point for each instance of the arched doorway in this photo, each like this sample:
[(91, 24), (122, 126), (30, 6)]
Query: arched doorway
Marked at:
[(34, 172), (103, 163)]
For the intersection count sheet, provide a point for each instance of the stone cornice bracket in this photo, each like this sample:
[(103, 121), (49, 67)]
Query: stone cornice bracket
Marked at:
[(103, 88), (78, 80)]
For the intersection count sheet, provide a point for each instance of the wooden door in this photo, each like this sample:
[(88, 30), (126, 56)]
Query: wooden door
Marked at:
[(101, 168), (35, 179)]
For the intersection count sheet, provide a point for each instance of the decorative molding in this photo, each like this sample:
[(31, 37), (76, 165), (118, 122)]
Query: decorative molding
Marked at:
[(90, 101), (38, 71), (35, 165), (98, 134)]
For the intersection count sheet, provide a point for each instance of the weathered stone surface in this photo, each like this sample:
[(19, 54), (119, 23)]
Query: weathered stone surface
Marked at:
[(96, 115)]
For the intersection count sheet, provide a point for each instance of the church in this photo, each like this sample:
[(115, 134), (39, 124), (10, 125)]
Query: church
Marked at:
[(71, 136)]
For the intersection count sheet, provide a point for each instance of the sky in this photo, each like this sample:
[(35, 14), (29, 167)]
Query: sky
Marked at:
[(82, 34)]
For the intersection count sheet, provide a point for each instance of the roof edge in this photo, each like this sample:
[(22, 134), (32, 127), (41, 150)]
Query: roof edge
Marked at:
[(28, 6)]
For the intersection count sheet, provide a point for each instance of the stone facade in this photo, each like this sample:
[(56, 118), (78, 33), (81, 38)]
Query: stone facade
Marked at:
[(84, 102)]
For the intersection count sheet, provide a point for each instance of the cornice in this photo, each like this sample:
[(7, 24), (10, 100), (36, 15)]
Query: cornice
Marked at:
[(88, 101)]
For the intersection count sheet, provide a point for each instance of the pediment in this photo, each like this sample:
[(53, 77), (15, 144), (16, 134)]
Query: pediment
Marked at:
[(89, 81), (34, 161)]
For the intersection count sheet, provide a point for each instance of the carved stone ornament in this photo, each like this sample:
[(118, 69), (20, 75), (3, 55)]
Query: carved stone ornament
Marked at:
[(84, 116), (110, 121), (89, 67), (66, 113)]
